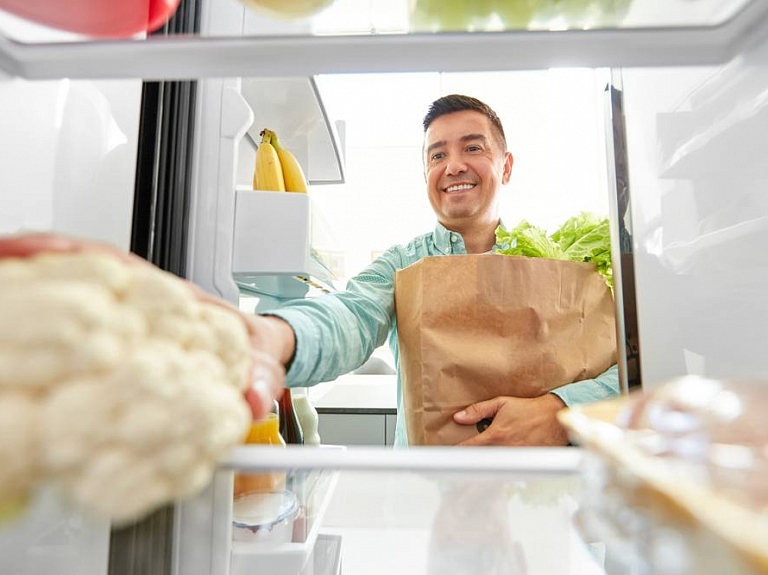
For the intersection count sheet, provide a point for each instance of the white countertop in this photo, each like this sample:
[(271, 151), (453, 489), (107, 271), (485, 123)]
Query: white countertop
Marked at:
[(356, 393)]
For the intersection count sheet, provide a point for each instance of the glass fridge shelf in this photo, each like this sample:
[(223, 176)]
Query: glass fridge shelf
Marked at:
[(397, 35)]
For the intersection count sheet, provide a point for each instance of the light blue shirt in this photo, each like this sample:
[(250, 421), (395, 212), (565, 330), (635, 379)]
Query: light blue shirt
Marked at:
[(338, 332)]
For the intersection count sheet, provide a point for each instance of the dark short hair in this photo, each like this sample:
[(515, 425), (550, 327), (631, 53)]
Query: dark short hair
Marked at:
[(459, 103)]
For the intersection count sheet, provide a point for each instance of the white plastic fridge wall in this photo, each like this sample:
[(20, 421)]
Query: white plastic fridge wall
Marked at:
[(698, 175), (53, 540), (68, 152)]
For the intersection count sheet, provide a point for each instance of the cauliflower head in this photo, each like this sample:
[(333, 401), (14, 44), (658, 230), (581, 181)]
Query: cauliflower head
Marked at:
[(118, 386)]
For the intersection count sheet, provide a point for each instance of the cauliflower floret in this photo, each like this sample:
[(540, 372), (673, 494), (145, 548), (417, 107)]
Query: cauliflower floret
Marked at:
[(117, 385), (60, 329)]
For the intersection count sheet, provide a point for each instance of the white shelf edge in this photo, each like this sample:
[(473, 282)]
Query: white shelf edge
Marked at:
[(554, 460)]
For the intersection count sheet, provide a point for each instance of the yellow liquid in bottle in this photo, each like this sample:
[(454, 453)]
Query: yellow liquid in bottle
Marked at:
[(264, 432)]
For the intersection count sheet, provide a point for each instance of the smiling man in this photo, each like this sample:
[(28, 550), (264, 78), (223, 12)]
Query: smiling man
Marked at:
[(466, 165)]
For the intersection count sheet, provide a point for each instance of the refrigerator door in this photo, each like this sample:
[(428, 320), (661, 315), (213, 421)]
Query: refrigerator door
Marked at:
[(263, 238)]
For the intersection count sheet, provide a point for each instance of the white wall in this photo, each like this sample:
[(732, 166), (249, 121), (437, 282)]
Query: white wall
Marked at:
[(554, 126)]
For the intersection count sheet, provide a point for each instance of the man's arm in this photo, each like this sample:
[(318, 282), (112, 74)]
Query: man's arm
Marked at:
[(603, 386), (533, 421), (336, 333)]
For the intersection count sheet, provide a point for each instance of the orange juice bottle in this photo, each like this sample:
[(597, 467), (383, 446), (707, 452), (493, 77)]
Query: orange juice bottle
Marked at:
[(265, 432)]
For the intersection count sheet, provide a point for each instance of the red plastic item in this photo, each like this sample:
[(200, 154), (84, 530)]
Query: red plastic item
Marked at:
[(103, 18)]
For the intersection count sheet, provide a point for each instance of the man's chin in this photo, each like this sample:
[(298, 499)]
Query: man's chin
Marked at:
[(460, 215)]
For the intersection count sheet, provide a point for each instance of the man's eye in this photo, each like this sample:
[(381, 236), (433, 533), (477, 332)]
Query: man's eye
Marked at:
[(474, 148), (436, 156)]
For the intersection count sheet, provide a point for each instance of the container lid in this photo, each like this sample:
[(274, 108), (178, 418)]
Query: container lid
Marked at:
[(263, 510)]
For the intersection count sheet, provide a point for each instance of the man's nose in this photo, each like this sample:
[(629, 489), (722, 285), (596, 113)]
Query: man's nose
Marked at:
[(455, 166)]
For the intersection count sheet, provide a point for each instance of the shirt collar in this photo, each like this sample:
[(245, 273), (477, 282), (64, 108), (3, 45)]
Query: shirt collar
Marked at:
[(443, 239), (443, 242)]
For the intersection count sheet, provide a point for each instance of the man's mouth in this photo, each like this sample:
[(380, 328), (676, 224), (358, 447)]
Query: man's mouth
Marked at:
[(458, 188)]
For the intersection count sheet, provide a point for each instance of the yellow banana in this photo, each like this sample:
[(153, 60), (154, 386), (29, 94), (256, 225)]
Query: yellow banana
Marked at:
[(268, 174), (293, 175)]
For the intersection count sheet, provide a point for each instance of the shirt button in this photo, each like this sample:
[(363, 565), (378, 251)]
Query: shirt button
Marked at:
[(454, 239)]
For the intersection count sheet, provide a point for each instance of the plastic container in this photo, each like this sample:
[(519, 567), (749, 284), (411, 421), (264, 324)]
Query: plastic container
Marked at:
[(265, 519), (314, 490), (307, 416)]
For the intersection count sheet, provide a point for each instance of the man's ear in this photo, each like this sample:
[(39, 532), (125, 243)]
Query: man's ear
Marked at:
[(508, 161)]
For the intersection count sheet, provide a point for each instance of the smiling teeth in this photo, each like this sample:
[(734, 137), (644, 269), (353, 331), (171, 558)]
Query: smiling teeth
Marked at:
[(459, 187)]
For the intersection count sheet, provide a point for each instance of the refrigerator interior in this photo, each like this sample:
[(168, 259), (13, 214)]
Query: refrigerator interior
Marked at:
[(695, 140)]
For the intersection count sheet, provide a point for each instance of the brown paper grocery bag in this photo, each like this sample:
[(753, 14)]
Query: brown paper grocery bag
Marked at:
[(473, 327)]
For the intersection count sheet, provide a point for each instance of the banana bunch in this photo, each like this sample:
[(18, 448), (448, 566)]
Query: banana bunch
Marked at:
[(276, 167)]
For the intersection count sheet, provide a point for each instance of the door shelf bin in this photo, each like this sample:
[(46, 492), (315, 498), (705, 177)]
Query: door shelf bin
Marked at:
[(272, 252), (314, 489)]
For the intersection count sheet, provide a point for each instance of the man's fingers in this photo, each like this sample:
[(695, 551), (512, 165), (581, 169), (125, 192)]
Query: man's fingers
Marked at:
[(267, 381), (26, 245), (30, 244), (479, 439), (477, 411), (259, 399)]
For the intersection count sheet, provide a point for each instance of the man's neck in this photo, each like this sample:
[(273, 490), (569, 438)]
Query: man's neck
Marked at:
[(478, 239)]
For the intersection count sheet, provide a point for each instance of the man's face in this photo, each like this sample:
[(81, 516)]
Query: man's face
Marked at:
[(465, 168)]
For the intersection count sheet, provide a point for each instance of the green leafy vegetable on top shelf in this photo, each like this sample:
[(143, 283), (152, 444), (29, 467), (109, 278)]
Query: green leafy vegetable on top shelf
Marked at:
[(582, 238), (473, 15)]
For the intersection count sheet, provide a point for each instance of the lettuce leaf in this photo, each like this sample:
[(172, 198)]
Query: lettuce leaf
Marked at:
[(527, 240), (585, 237)]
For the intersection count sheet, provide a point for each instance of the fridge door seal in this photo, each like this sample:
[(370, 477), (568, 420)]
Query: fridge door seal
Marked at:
[(622, 257)]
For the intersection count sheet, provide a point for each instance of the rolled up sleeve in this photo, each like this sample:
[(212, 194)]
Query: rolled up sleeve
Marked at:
[(603, 386)]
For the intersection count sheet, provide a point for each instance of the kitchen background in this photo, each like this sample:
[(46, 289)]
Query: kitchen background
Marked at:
[(554, 124), (553, 121)]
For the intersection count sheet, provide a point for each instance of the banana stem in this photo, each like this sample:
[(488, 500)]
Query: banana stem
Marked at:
[(274, 141), (266, 136), (272, 137)]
